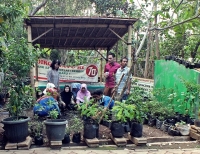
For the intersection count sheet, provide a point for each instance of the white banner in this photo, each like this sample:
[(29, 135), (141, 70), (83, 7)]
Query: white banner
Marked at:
[(87, 73)]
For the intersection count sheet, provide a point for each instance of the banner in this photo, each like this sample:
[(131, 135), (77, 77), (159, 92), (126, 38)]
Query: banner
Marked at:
[(87, 73)]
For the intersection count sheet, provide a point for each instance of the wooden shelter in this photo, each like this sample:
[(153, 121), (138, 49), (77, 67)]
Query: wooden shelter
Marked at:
[(86, 33), (77, 32)]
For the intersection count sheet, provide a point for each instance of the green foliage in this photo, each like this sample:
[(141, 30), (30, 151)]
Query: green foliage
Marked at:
[(76, 124), (20, 99), (190, 97), (136, 98), (90, 109), (53, 114), (124, 112), (16, 56), (36, 126)]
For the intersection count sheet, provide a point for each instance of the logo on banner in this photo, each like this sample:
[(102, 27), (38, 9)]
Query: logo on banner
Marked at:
[(91, 71)]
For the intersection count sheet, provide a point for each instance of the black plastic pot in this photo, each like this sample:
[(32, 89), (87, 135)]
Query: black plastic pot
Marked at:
[(158, 123), (16, 130), (173, 132), (197, 65), (66, 139), (190, 121), (145, 121), (126, 127), (76, 138), (151, 122), (191, 66), (171, 121), (38, 140), (90, 130), (106, 123), (117, 129), (165, 127), (187, 64), (136, 129)]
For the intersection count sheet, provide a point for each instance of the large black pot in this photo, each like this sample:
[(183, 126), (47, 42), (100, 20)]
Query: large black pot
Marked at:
[(55, 129), (16, 130), (136, 129), (117, 129)]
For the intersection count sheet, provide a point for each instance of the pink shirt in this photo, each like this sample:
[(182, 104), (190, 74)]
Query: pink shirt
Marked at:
[(112, 69)]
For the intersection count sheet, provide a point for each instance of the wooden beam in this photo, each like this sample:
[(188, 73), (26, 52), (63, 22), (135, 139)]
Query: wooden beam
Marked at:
[(50, 37), (117, 35), (41, 35), (129, 56), (79, 25), (32, 69)]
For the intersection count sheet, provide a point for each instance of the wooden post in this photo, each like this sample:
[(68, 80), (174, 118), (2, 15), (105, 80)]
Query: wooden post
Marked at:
[(107, 54), (101, 69), (129, 45), (32, 69)]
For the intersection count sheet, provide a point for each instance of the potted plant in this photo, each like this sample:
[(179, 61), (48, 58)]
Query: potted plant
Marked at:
[(76, 125), (122, 113), (66, 139), (92, 113), (173, 131), (17, 60), (16, 126), (36, 128), (55, 128)]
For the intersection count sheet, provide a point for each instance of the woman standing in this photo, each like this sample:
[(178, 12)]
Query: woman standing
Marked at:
[(67, 97), (53, 74)]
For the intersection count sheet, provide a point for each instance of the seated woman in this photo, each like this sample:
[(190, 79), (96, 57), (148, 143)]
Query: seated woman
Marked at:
[(82, 94), (75, 87), (47, 103), (67, 97), (103, 100)]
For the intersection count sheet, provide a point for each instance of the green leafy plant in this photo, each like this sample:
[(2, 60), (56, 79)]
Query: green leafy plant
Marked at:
[(76, 124), (124, 112), (68, 130), (90, 109), (20, 99), (53, 114), (36, 126)]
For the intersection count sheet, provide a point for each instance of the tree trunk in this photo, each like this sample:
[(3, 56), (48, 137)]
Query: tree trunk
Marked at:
[(156, 34), (147, 56)]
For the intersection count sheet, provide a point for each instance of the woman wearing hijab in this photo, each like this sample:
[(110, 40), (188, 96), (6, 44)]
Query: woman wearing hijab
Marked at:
[(47, 103), (67, 97), (82, 94)]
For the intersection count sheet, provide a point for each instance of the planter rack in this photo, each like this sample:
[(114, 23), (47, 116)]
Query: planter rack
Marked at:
[(150, 142)]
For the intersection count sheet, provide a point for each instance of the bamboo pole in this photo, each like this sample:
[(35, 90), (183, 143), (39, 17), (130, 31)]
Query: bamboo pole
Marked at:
[(113, 94)]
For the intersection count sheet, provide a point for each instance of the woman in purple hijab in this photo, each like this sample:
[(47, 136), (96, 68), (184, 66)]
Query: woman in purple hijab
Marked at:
[(82, 94)]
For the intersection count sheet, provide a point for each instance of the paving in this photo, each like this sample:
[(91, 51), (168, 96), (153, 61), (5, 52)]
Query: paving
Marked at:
[(91, 151)]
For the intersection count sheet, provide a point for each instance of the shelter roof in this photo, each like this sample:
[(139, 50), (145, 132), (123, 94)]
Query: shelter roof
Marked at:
[(70, 32)]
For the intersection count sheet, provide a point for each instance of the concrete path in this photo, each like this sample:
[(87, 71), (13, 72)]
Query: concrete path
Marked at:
[(88, 151)]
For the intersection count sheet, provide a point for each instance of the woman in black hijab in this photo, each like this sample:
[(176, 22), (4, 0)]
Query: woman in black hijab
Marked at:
[(67, 97)]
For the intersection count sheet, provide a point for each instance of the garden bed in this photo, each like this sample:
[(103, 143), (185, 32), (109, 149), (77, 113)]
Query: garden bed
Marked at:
[(151, 134)]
